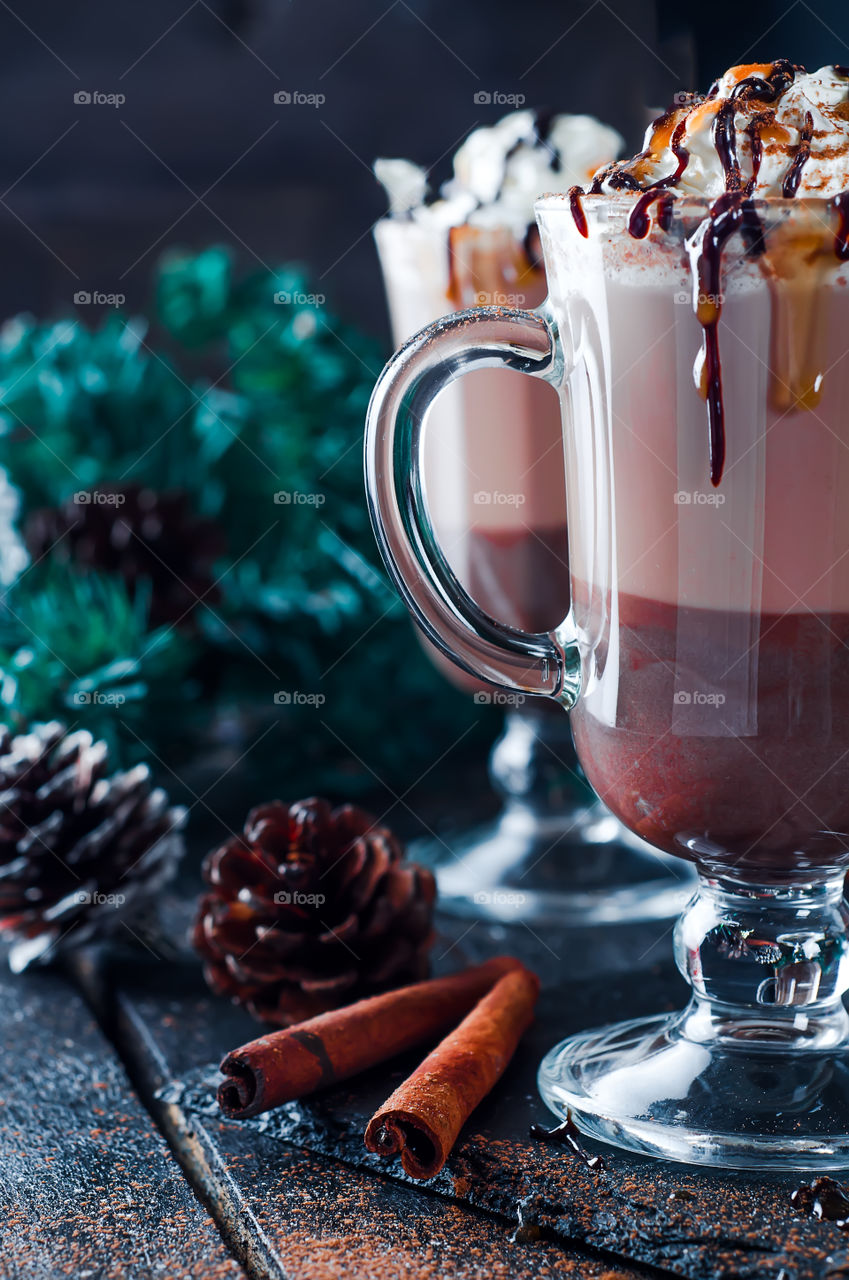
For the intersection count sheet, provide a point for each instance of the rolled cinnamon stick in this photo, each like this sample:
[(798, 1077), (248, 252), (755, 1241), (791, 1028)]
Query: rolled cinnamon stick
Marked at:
[(425, 1114), (296, 1061)]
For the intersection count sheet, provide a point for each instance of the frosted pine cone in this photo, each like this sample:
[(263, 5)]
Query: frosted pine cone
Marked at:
[(153, 540), (79, 851)]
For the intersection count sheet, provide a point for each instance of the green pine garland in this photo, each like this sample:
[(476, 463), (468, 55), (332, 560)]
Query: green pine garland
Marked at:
[(252, 400)]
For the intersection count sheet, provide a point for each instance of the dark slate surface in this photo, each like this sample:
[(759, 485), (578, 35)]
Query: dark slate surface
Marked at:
[(669, 1218), (88, 1188), (286, 1209)]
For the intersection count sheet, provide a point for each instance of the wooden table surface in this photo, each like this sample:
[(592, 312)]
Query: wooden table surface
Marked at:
[(114, 1160)]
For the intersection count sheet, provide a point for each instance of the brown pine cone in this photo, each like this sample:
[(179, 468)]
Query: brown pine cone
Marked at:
[(312, 908), (148, 538), (79, 851)]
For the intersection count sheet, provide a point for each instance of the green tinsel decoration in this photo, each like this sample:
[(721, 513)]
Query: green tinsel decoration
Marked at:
[(76, 648), (251, 401)]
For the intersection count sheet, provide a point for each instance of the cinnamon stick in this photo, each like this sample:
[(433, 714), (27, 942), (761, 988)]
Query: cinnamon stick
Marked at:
[(425, 1114), (294, 1062)]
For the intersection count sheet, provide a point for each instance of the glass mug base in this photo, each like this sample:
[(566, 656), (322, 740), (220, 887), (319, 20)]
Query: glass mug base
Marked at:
[(644, 1086), (754, 1073), (583, 868), (554, 854)]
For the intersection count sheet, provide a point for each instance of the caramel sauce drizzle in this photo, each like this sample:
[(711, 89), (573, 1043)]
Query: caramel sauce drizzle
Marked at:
[(733, 211), (639, 221)]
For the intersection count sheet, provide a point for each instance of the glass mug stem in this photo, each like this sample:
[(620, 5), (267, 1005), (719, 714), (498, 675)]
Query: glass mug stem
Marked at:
[(483, 338), (766, 963)]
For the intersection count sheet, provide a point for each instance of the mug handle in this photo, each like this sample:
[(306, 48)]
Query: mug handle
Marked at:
[(481, 338)]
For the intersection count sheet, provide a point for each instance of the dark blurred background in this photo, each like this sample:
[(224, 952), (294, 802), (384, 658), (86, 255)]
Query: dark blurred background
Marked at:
[(200, 152)]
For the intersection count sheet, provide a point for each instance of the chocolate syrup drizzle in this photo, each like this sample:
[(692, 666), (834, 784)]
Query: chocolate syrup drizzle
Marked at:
[(841, 239), (734, 210), (794, 174), (567, 1134), (577, 208)]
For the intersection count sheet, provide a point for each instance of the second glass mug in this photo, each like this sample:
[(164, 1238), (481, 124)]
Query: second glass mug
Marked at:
[(552, 852), (705, 659)]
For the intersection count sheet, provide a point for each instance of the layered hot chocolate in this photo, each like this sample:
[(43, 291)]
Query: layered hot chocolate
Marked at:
[(705, 284)]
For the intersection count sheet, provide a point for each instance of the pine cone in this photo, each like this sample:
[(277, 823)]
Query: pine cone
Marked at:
[(146, 537), (312, 908), (79, 850)]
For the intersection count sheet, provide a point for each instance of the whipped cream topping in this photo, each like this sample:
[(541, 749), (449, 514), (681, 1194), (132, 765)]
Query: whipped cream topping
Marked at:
[(501, 169), (769, 129), (765, 130), (405, 184)]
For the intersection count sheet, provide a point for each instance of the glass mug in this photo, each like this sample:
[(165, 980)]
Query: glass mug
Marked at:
[(705, 659)]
